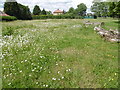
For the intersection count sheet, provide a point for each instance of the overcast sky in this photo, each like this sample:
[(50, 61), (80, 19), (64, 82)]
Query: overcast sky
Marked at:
[(52, 5)]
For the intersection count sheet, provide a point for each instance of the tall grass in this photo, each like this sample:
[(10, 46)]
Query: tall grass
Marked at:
[(58, 54)]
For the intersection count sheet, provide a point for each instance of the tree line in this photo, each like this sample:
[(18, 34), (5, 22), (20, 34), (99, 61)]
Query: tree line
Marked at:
[(21, 11), (38, 11), (100, 9), (109, 8), (79, 11)]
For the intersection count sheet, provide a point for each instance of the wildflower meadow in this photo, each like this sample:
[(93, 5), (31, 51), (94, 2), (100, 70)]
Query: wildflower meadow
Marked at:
[(58, 53)]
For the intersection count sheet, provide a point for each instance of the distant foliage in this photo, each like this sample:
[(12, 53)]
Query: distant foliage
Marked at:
[(55, 17), (43, 12), (71, 10), (49, 12), (17, 10), (79, 11), (36, 10)]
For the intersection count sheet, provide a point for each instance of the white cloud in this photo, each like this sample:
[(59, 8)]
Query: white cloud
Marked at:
[(53, 4)]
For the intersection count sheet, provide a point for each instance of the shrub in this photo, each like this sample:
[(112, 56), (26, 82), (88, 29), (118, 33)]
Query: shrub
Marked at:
[(8, 18), (55, 17)]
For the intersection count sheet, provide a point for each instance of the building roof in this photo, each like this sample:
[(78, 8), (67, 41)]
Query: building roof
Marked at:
[(3, 14), (58, 11)]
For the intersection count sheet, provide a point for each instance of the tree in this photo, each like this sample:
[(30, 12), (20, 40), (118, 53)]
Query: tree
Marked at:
[(36, 10), (71, 10), (64, 12), (43, 12), (109, 8), (48, 12), (114, 9), (104, 9), (112, 6), (12, 8), (96, 7), (100, 8), (25, 12), (81, 9), (18, 10), (117, 9)]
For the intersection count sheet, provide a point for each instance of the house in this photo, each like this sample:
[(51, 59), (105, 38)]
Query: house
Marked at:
[(3, 14), (58, 12)]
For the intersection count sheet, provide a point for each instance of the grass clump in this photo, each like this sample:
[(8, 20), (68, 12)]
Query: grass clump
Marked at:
[(8, 31)]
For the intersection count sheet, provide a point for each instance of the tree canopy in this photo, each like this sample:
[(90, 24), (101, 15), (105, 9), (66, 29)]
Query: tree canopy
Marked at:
[(36, 10), (71, 10), (79, 11), (99, 8), (12, 9), (48, 12), (44, 12), (114, 9), (24, 12), (108, 8), (18, 10)]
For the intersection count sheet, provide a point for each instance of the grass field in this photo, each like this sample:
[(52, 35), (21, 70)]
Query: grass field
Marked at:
[(58, 54)]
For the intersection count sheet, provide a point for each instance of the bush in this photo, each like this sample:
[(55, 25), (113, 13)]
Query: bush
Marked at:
[(8, 18), (55, 17)]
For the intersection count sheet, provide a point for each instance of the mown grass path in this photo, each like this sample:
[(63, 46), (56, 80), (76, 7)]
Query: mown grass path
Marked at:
[(58, 54)]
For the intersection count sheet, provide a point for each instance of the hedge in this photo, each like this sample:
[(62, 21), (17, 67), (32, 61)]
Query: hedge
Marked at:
[(7, 18), (55, 17)]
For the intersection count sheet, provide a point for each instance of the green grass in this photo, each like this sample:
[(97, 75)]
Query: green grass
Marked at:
[(58, 54), (0, 56)]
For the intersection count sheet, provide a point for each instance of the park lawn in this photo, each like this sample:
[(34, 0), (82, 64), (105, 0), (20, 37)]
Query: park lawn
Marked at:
[(58, 53)]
